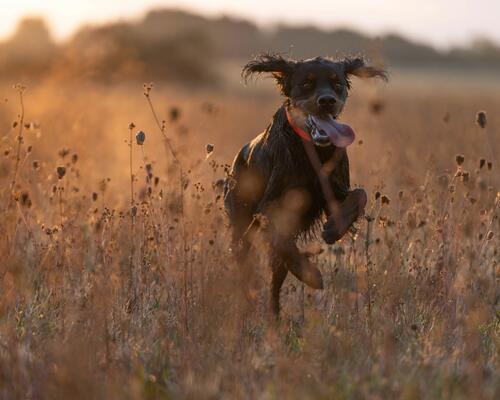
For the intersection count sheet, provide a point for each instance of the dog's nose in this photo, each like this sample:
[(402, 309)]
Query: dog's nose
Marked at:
[(326, 100)]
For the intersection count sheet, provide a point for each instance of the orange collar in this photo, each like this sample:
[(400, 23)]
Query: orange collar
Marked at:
[(302, 133)]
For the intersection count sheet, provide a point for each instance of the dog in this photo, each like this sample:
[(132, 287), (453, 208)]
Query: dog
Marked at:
[(273, 184)]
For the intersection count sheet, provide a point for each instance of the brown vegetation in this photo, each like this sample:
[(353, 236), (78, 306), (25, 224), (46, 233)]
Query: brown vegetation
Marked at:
[(117, 280)]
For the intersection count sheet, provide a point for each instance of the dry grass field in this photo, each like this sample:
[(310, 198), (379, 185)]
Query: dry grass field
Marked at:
[(120, 288)]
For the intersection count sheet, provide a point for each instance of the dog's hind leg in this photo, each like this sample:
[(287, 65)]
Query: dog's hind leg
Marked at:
[(279, 274), (297, 263)]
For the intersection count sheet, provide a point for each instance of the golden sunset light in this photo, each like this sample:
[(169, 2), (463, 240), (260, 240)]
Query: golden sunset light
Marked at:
[(249, 199), (440, 22)]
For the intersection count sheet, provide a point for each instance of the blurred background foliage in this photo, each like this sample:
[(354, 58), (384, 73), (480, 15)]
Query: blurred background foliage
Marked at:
[(184, 47)]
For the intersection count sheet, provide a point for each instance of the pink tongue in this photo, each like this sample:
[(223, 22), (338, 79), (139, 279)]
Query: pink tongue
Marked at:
[(341, 135)]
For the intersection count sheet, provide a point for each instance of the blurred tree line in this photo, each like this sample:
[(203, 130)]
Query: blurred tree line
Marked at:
[(180, 46)]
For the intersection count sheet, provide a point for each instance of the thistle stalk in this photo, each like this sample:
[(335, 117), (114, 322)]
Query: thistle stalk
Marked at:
[(20, 90)]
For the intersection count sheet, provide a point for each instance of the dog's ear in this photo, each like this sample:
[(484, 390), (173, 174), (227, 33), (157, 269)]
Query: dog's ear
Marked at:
[(357, 67), (280, 68)]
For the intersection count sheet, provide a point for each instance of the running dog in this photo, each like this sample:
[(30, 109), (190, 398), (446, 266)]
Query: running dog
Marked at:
[(274, 178)]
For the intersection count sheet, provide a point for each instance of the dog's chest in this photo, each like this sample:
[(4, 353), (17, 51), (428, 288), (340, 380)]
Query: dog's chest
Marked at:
[(300, 175)]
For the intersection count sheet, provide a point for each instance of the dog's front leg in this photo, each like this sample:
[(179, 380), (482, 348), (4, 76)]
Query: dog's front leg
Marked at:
[(349, 205), (346, 214)]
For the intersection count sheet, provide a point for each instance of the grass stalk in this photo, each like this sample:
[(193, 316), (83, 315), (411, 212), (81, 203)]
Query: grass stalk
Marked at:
[(20, 89)]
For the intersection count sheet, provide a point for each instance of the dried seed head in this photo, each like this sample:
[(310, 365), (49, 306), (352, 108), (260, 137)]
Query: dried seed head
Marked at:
[(482, 161), (377, 106), (385, 199), (131, 126), (377, 195), (218, 186), (261, 220), (481, 119), (490, 235), (147, 88), (230, 182), (174, 114), (208, 107), (63, 152), (36, 164), (140, 137), (94, 196), (25, 200), (74, 158), (490, 165), (465, 176), (459, 159), (103, 184), (209, 148), (61, 171), (19, 87)]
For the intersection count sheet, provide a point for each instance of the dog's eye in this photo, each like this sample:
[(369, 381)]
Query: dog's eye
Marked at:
[(307, 84), (337, 86)]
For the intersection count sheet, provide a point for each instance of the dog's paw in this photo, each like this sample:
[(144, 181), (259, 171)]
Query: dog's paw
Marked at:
[(331, 232), (351, 208), (311, 275)]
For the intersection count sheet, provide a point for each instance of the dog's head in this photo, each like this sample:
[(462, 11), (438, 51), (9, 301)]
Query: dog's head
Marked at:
[(316, 87)]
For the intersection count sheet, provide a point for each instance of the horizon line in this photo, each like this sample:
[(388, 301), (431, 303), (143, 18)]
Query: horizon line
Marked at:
[(265, 26)]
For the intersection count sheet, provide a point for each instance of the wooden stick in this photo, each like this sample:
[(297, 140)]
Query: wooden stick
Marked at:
[(323, 170)]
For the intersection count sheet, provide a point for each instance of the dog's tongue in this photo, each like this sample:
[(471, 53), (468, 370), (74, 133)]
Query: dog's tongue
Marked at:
[(341, 135)]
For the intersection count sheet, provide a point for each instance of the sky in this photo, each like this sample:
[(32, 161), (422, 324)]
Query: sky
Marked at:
[(442, 23)]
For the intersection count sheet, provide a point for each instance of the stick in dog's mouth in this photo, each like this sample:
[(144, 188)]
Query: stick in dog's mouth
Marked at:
[(329, 129), (324, 130)]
